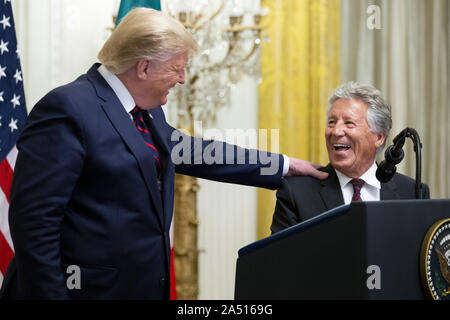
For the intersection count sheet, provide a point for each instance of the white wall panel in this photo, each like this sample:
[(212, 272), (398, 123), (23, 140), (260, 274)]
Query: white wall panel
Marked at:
[(227, 213), (59, 40)]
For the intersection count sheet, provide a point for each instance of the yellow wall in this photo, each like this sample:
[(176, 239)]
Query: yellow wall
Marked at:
[(300, 66)]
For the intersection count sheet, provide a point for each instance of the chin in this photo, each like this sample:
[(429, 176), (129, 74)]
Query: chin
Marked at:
[(163, 101), (339, 165)]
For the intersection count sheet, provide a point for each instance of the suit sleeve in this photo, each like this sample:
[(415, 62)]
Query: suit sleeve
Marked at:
[(285, 209), (220, 161), (49, 162)]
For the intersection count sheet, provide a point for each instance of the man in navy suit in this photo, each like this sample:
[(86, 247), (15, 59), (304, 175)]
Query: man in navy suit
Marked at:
[(93, 184), (358, 122)]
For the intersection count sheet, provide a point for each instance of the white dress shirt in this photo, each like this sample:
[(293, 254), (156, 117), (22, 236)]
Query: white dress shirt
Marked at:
[(370, 191), (119, 89)]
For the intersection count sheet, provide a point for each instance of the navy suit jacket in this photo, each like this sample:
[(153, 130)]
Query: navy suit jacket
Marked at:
[(85, 193), (301, 197)]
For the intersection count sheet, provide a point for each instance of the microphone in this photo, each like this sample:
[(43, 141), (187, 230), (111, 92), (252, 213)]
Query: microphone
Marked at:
[(394, 155)]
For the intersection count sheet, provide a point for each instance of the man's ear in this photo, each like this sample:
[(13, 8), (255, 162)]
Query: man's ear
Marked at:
[(142, 67), (380, 139)]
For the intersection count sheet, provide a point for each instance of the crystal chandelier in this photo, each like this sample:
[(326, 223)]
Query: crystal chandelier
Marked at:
[(228, 33), (229, 37)]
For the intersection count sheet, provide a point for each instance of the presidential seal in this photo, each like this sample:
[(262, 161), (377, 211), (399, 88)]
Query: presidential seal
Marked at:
[(435, 261)]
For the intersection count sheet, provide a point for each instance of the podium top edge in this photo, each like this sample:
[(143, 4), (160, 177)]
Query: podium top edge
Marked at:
[(293, 229)]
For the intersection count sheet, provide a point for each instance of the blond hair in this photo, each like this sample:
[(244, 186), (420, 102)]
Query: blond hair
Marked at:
[(144, 34)]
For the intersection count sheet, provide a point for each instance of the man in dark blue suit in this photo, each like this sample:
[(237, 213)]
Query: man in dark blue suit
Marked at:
[(358, 122), (93, 185)]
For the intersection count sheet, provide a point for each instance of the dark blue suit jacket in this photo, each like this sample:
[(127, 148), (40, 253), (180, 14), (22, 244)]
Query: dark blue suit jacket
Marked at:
[(85, 193)]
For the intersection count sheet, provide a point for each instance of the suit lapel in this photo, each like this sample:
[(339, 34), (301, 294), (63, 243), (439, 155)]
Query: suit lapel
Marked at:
[(332, 199), (153, 125), (126, 129), (156, 125), (331, 190), (389, 191)]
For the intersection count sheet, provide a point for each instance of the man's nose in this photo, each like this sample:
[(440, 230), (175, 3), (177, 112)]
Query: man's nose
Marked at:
[(338, 130)]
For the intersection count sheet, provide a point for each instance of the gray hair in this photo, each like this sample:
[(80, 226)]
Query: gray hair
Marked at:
[(378, 110)]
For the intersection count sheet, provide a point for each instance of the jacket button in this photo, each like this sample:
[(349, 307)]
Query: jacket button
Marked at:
[(162, 281)]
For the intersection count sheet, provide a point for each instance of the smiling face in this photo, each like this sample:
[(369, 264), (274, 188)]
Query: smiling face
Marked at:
[(160, 77), (351, 145)]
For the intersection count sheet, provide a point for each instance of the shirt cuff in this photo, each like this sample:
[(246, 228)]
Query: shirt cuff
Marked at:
[(285, 165)]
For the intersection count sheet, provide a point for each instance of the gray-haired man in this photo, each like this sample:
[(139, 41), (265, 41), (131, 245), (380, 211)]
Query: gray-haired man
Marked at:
[(358, 123)]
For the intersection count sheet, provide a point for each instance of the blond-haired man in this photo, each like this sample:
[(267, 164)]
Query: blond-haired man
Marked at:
[(92, 196)]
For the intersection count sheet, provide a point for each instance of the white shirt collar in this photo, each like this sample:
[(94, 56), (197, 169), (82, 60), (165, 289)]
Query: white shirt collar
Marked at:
[(118, 87), (369, 177)]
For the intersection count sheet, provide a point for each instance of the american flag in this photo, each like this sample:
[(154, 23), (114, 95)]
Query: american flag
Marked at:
[(12, 118)]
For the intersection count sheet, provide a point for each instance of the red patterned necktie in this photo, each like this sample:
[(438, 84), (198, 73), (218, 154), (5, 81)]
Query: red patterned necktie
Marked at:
[(357, 185), (145, 133)]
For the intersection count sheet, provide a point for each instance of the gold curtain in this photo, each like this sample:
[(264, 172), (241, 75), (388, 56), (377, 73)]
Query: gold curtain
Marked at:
[(300, 66)]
